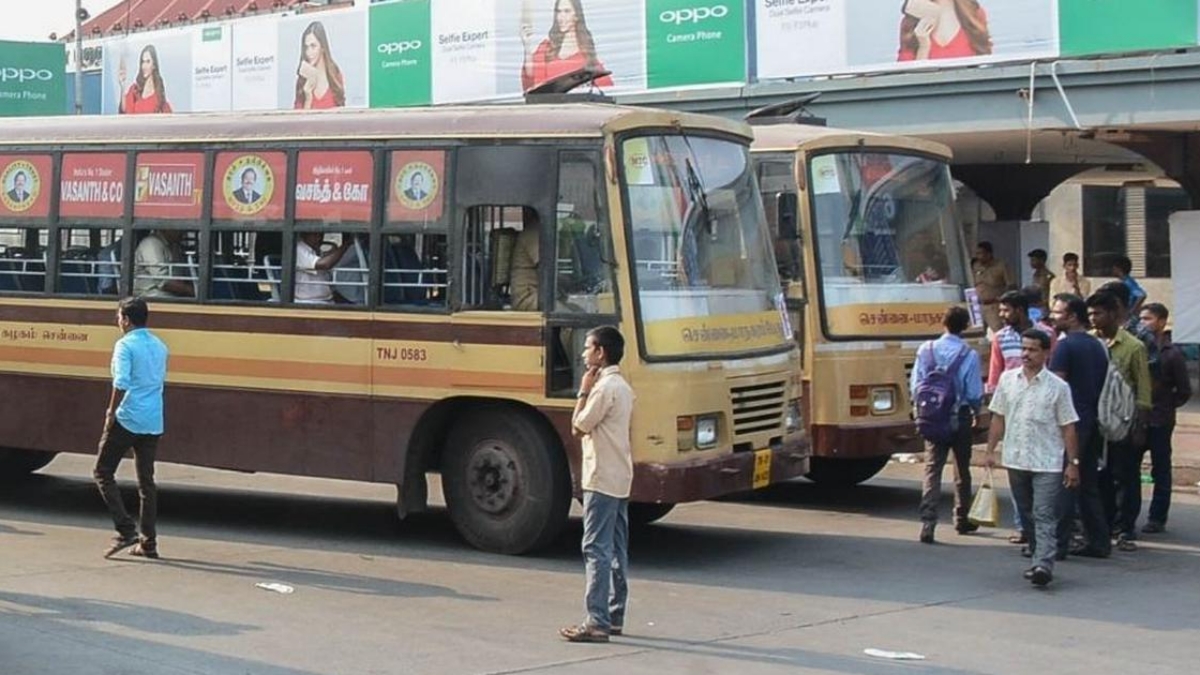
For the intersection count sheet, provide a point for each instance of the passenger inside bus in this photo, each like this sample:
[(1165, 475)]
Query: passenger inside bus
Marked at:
[(160, 270), (313, 276), (523, 277)]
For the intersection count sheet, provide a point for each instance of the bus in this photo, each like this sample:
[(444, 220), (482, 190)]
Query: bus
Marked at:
[(871, 253), (359, 295)]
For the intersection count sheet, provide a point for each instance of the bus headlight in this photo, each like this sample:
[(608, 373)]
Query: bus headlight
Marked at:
[(706, 432), (883, 400), (794, 420)]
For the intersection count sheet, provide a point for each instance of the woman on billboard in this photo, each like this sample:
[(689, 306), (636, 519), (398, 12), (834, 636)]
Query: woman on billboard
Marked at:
[(569, 46), (943, 29), (147, 93), (319, 82)]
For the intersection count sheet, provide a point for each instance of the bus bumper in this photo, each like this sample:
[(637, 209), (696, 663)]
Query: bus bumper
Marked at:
[(706, 478), (864, 442)]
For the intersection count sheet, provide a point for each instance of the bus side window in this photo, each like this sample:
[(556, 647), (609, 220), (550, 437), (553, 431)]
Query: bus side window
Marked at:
[(236, 273), (165, 263), (500, 260), (583, 268), (89, 261), (23, 259), (415, 269)]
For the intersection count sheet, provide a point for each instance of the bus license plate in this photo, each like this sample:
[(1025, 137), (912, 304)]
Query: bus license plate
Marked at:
[(762, 468)]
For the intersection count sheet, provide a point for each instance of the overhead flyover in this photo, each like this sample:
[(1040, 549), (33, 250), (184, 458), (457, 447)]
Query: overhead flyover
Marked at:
[(1017, 130)]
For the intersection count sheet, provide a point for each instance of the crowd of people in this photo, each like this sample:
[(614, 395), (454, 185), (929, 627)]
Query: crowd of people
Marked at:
[(1082, 386)]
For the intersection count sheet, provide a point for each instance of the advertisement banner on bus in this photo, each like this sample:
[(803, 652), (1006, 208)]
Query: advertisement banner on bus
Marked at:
[(149, 73), (815, 37), (92, 185), (400, 51), (168, 185), (322, 64), (32, 79), (249, 185), (25, 186), (334, 186), (692, 43), (415, 188), (1112, 26)]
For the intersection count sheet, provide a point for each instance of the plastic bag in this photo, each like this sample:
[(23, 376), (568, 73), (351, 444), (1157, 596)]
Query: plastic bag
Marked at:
[(985, 509)]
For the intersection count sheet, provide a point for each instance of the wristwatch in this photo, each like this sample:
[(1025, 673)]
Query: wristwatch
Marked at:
[(582, 394), (1074, 461)]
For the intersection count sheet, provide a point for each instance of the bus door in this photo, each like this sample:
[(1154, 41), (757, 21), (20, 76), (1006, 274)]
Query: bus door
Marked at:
[(781, 203)]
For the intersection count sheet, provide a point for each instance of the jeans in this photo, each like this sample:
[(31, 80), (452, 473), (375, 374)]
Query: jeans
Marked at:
[(1125, 464), (1158, 441), (1085, 500), (935, 459), (113, 444), (606, 558), (1037, 497)]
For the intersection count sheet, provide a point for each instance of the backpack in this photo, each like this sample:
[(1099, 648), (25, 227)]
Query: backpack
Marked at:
[(1115, 411), (936, 396)]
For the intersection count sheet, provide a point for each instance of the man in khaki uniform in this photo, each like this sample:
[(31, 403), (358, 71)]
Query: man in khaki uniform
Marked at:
[(992, 279), (523, 276), (1042, 276)]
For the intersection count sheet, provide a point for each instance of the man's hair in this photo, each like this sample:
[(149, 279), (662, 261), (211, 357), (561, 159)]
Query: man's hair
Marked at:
[(1038, 253), (135, 310), (19, 174), (1075, 305), (1158, 309), (1070, 256), (251, 172), (1123, 263), (610, 340), (1117, 289), (985, 245), (1104, 300), (1033, 293), (1016, 300), (956, 319), (1036, 334)]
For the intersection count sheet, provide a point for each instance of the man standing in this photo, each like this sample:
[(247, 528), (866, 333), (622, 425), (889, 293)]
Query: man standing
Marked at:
[(1071, 280), (992, 279), (601, 419), (959, 361), (1170, 389), (1033, 414), (1122, 269), (1082, 362), (1128, 355), (1042, 277), (134, 420)]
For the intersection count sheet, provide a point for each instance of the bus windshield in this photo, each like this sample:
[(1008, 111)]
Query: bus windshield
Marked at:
[(704, 270), (888, 244)]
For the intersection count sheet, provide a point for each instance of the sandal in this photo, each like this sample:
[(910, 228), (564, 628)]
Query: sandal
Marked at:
[(1017, 538), (583, 633), (120, 543), (142, 550), (1125, 545)]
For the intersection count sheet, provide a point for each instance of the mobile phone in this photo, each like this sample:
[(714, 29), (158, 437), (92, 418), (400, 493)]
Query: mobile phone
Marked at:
[(922, 9)]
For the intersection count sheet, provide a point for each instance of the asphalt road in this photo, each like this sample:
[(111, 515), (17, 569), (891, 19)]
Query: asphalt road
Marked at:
[(789, 580)]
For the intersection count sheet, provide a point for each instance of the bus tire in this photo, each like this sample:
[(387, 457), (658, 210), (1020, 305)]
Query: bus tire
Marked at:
[(506, 481), (15, 462), (832, 472), (644, 513)]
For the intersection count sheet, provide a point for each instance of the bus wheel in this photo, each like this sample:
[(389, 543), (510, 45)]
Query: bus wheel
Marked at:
[(507, 485), (15, 462), (844, 472), (642, 513)]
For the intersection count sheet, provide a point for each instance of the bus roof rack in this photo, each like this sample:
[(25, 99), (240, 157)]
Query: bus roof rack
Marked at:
[(559, 89), (792, 111)]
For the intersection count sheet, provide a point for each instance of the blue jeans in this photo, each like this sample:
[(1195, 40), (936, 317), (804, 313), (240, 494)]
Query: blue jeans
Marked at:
[(606, 558), (1037, 497)]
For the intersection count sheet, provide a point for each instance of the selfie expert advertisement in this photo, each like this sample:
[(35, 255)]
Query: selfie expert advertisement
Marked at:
[(323, 61), (814, 37)]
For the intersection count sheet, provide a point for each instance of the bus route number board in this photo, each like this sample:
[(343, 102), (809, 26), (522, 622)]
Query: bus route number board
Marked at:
[(762, 468)]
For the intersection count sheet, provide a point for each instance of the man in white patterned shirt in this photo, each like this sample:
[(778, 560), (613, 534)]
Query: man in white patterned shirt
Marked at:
[(1033, 413)]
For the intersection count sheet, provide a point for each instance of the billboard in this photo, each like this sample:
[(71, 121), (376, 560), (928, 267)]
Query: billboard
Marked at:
[(1111, 26), (32, 79), (322, 61), (148, 73)]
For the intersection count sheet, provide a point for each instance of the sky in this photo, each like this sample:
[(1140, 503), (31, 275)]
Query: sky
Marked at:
[(38, 18)]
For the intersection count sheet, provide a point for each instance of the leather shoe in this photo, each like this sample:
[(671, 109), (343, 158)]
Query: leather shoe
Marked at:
[(927, 533), (966, 527), (1041, 576), (1152, 527)]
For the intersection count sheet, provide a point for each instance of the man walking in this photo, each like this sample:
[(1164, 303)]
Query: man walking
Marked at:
[(134, 420), (1128, 355), (601, 419), (950, 355), (1082, 362), (1170, 389), (1033, 414)]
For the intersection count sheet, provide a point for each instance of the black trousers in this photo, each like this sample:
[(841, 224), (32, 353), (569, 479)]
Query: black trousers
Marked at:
[(1085, 500), (115, 441)]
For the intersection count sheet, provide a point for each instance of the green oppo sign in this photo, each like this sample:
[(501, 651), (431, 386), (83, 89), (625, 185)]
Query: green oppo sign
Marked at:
[(32, 79), (691, 42), (1113, 26), (400, 58)]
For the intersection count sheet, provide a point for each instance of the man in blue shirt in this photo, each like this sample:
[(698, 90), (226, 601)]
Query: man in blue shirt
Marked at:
[(134, 420), (1122, 269), (969, 390)]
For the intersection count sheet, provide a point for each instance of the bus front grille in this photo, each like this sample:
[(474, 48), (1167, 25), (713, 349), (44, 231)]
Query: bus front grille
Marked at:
[(758, 408)]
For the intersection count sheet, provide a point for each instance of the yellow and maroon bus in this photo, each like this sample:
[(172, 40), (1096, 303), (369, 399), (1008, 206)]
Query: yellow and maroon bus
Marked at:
[(467, 252), (871, 253)]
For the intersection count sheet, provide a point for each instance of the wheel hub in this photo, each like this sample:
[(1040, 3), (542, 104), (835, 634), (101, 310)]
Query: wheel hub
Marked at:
[(492, 477)]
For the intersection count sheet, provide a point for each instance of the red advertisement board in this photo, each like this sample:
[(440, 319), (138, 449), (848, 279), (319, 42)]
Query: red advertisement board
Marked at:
[(168, 185), (92, 185), (416, 186), (250, 185), (334, 186), (25, 186)]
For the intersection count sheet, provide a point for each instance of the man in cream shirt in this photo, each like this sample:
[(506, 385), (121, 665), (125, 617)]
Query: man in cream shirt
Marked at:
[(601, 420)]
